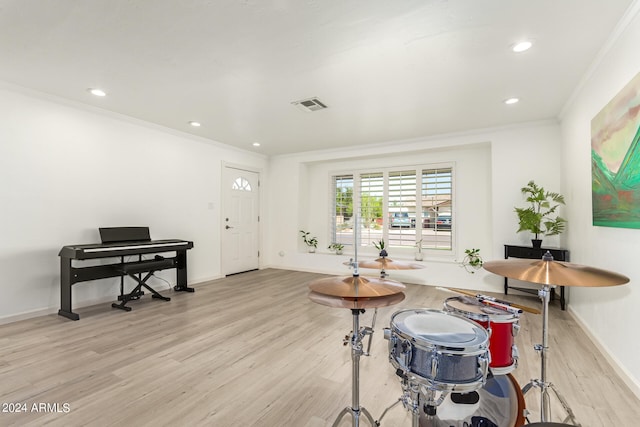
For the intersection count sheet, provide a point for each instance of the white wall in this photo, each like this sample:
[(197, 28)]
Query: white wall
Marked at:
[(491, 167), (66, 170), (608, 314)]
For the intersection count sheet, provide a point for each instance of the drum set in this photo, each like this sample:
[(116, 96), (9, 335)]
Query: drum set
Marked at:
[(455, 365)]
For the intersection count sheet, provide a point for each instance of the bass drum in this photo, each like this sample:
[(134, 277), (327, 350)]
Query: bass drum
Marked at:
[(500, 403)]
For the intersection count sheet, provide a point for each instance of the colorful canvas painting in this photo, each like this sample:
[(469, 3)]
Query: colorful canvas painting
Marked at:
[(615, 160)]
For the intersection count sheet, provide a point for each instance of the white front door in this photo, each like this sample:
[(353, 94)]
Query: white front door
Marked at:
[(240, 220)]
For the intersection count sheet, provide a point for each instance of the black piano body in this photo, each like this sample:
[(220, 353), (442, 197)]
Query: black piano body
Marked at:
[(119, 242)]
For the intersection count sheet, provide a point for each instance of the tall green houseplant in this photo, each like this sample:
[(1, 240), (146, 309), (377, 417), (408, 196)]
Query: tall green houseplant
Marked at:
[(540, 216)]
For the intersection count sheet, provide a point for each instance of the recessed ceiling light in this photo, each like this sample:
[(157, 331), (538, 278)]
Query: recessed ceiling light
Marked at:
[(195, 124), (256, 144), (521, 46), (97, 92), (511, 101)]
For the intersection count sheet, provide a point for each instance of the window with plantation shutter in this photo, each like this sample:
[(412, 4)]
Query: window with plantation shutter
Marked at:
[(437, 213), (401, 205), (371, 203), (406, 207), (342, 210)]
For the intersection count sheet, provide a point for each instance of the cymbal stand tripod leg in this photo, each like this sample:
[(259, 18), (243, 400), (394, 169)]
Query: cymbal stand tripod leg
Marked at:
[(379, 420), (356, 351), (410, 399), (545, 403)]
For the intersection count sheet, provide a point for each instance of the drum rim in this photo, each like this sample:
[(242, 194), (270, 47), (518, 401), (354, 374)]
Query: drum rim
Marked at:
[(481, 340), (444, 349), (493, 317)]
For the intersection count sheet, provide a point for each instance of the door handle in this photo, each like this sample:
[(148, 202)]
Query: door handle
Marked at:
[(227, 227)]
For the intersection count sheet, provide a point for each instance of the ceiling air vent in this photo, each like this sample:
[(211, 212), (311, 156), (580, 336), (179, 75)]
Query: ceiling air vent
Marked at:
[(311, 104)]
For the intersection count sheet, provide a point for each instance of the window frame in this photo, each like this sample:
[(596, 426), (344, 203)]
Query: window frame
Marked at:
[(356, 178)]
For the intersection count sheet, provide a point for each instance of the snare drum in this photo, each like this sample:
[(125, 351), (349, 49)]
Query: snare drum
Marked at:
[(499, 402), (440, 350), (501, 325)]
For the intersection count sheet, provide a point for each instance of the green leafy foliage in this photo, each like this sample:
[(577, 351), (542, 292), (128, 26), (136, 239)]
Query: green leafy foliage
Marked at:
[(381, 247), (336, 247), (309, 241), (472, 260), (540, 216)]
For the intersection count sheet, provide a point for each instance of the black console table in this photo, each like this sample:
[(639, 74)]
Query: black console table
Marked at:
[(535, 253)]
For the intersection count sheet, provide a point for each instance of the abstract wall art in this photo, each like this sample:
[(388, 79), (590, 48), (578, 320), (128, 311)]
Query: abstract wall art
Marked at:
[(615, 160)]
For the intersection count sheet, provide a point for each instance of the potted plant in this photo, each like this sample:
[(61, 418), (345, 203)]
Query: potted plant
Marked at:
[(472, 260), (418, 255), (540, 216), (311, 242), (380, 246), (337, 247)]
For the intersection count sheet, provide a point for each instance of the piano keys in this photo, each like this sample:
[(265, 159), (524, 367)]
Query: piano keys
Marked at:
[(119, 242)]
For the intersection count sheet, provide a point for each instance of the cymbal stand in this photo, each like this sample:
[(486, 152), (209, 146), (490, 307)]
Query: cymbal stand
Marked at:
[(356, 351), (357, 334), (545, 410), (354, 264)]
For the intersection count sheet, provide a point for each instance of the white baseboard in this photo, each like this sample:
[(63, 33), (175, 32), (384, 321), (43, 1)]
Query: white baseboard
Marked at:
[(622, 372), (159, 284)]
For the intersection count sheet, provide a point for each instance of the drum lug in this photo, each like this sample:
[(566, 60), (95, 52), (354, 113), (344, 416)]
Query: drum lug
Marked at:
[(515, 355), (386, 333), (434, 367), (406, 353), (515, 329), (484, 365)]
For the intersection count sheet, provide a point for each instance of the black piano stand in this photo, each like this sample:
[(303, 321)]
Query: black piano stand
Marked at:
[(131, 270)]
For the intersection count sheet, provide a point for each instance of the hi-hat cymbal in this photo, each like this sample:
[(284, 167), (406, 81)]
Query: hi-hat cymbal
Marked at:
[(554, 273), (356, 286), (384, 263), (355, 303)]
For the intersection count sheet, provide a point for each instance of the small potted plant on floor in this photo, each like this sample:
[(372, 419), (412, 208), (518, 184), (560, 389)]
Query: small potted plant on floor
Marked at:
[(540, 216), (337, 248), (311, 242)]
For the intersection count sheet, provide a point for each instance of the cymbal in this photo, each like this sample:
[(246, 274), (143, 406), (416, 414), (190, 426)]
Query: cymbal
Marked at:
[(554, 273), (356, 286), (384, 263), (354, 303)]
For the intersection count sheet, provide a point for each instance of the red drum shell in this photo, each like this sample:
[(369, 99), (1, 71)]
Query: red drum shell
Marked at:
[(499, 322)]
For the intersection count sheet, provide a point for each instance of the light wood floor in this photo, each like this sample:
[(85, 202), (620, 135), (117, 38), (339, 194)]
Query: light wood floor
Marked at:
[(252, 350)]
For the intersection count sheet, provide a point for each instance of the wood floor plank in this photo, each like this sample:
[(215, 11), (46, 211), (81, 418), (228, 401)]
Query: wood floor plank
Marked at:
[(253, 350)]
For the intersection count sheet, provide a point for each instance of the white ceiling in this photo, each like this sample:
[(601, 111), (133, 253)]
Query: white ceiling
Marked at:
[(387, 69)]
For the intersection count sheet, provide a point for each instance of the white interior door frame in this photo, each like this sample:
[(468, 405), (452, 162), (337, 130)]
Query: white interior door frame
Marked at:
[(240, 219)]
